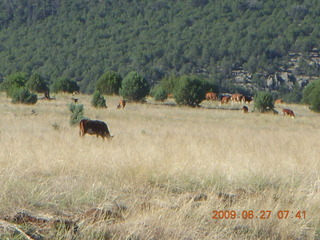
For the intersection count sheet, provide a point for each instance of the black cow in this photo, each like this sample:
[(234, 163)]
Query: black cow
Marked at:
[(94, 127), (245, 109), (247, 99)]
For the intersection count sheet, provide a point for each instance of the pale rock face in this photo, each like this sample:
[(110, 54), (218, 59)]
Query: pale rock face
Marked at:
[(270, 82)]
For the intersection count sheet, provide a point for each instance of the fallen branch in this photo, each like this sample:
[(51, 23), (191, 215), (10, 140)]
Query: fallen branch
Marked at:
[(13, 228), (23, 217)]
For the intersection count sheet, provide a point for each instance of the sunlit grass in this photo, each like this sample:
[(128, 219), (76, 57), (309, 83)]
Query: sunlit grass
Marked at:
[(161, 158)]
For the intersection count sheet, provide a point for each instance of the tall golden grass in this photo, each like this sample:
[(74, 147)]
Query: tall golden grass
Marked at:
[(160, 163)]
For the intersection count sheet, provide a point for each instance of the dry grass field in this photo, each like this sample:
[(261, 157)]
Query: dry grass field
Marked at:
[(162, 176)]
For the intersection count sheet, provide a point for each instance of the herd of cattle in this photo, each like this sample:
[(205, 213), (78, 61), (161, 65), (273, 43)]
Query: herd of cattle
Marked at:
[(100, 128), (239, 98), (226, 98)]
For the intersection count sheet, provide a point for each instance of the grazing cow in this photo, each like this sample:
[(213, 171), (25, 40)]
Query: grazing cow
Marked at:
[(245, 109), (279, 101), (211, 96), (237, 97), (247, 99), (288, 112), (225, 99), (122, 104), (94, 127)]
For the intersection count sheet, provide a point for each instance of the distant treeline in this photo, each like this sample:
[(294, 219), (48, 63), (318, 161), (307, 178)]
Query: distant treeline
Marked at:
[(81, 39)]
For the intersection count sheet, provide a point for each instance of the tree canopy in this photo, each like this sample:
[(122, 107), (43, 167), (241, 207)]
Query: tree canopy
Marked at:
[(36, 83), (63, 84), (109, 83), (311, 95), (134, 87), (190, 91), (79, 39)]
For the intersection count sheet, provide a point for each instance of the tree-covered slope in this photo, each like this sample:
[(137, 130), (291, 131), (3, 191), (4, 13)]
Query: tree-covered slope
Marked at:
[(80, 39)]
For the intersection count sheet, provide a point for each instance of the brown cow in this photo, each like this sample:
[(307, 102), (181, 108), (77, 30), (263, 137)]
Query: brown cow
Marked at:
[(211, 96), (279, 101), (122, 104), (94, 127), (288, 112), (245, 109), (225, 99), (237, 97)]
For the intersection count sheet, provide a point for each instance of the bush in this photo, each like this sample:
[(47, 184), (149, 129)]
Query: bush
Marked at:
[(134, 87), (308, 90), (315, 99), (158, 93), (109, 83), (36, 83), (23, 95), (14, 82), (169, 84), (77, 111), (263, 101), (190, 91), (311, 95), (65, 85), (98, 100)]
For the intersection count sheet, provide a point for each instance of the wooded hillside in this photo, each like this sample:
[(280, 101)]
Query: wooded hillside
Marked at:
[(81, 39)]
